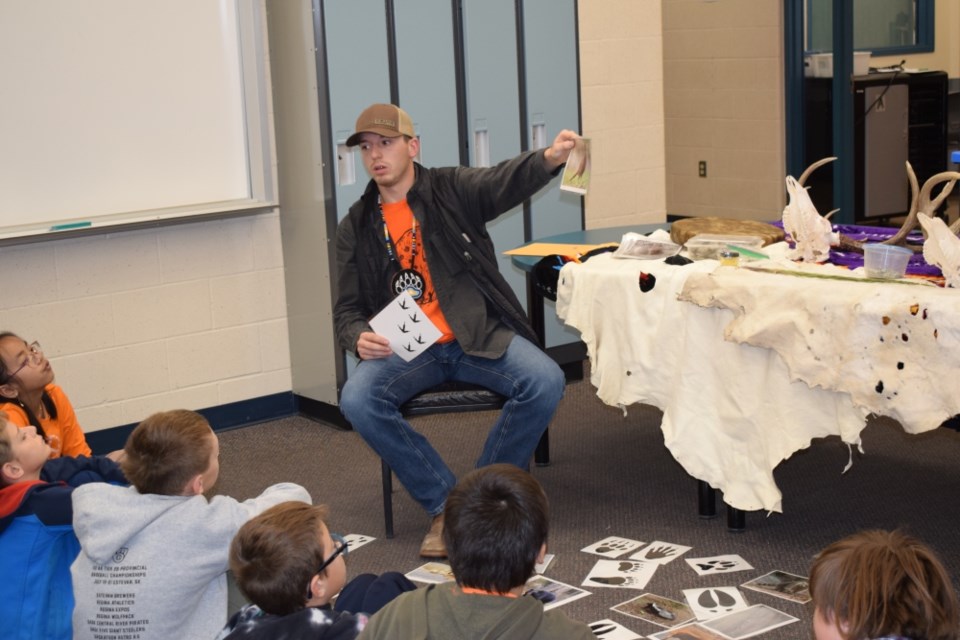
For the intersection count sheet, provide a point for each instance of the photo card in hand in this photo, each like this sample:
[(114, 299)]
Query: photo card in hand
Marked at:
[(576, 174)]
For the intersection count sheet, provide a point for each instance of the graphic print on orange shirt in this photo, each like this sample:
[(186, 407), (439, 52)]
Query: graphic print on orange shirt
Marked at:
[(399, 219)]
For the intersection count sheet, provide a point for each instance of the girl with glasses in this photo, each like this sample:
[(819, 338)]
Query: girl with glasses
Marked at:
[(29, 397)]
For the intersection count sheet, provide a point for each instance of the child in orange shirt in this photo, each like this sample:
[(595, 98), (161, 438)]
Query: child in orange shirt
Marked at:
[(29, 397)]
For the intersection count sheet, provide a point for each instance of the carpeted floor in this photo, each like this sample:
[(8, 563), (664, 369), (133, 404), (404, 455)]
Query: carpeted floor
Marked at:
[(610, 475)]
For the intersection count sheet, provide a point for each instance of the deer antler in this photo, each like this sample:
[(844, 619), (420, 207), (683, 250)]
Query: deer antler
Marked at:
[(900, 237), (920, 202), (813, 167)]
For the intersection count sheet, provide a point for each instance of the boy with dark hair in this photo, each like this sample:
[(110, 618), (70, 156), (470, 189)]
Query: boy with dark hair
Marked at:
[(495, 530), (289, 565), (153, 559), (37, 543)]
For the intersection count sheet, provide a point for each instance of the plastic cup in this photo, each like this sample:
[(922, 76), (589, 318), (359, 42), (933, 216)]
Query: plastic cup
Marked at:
[(885, 261)]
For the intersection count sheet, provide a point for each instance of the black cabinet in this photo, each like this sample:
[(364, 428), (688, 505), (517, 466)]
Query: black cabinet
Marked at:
[(897, 117)]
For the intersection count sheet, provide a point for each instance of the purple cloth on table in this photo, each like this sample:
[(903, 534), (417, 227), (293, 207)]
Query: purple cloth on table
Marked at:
[(853, 259)]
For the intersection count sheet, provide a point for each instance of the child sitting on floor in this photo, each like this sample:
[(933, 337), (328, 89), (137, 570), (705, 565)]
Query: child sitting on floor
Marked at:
[(29, 397), (153, 558), (495, 531), (37, 543), (882, 585), (289, 565)]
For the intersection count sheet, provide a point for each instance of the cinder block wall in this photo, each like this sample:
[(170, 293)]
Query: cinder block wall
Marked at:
[(191, 316), (724, 105)]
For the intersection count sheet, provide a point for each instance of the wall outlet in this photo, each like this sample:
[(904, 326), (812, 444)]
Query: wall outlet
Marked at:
[(702, 169)]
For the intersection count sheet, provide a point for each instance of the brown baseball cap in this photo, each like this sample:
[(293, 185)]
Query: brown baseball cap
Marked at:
[(387, 120)]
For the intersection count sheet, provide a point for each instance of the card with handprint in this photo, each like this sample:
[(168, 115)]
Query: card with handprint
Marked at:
[(613, 547), (718, 564), (625, 574), (714, 601), (660, 552)]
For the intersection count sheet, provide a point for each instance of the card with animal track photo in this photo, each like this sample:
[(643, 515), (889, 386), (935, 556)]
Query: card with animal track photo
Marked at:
[(610, 630), (613, 546), (356, 540), (407, 327), (576, 173), (749, 622), (714, 601), (660, 552), (781, 584), (718, 564), (661, 611), (624, 574), (552, 593)]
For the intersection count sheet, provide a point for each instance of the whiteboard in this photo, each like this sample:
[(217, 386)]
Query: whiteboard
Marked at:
[(129, 111)]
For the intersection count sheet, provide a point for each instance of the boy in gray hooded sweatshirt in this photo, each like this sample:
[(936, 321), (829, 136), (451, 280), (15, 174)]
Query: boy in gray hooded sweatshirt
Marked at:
[(153, 557)]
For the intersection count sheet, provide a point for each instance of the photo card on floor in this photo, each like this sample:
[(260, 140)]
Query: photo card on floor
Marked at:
[(552, 593), (613, 546), (432, 573), (718, 564), (624, 574), (357, 540), (749, 622), (660, 552), (655, 609), (711, 602), (540, 567), (693, 631), (612, 630), (781, 584)]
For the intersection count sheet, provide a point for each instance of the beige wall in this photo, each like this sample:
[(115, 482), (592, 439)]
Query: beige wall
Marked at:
[(621, 72), (134, 322), (723, 96)]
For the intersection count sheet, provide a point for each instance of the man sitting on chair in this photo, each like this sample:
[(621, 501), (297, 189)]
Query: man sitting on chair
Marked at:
[(408, 216)]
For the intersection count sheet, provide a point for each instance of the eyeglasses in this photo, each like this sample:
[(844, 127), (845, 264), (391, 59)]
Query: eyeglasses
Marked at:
[(342, 548), (34, 357)]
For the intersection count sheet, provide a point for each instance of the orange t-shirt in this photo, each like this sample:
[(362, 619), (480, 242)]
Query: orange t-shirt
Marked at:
[(399, 219), (65, 426)]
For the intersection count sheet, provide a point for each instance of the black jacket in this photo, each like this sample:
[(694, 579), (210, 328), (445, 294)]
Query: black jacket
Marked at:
[(452, 206)]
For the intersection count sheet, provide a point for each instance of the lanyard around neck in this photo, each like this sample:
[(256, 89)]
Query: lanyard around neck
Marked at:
[(394, 254)]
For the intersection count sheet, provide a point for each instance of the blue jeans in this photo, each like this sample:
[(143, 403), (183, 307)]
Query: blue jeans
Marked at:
[(374, 392)]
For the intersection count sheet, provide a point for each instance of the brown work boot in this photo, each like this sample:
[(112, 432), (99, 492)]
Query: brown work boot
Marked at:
[(432, 546)]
